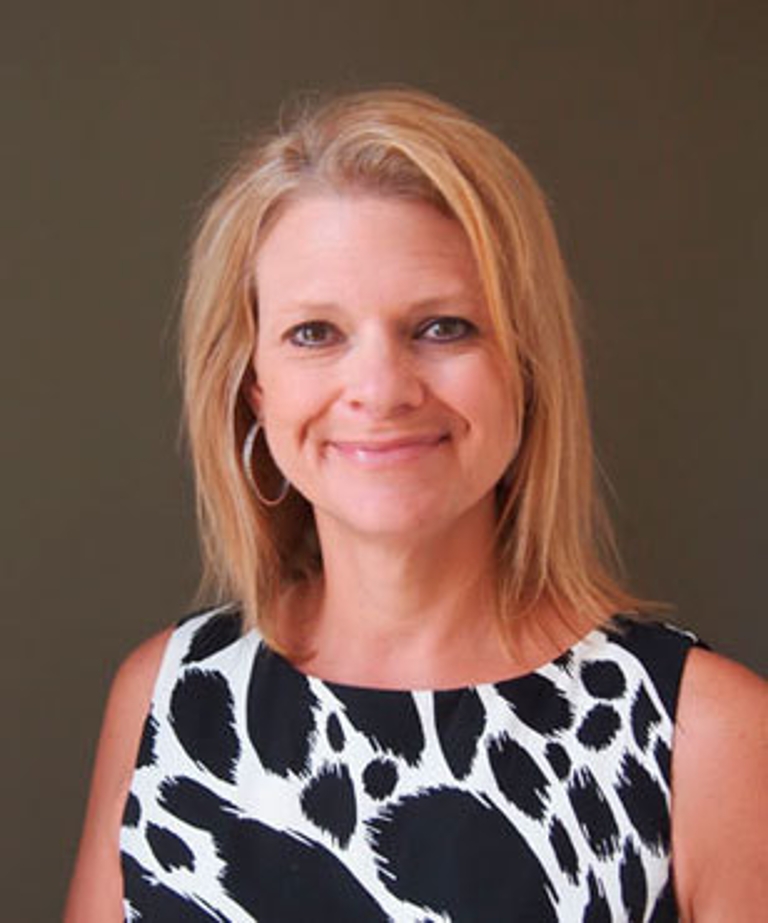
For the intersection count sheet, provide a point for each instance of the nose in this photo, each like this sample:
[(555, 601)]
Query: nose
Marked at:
[(382, 377)]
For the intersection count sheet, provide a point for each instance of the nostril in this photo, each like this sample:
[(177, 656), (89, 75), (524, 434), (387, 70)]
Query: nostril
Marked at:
[(383, 380), (385, 393)]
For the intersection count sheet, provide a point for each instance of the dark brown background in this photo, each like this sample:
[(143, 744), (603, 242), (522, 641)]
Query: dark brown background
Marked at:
[(645, 122)]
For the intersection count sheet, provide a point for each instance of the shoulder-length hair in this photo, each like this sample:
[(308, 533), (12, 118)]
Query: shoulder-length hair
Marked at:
[(553, 541)]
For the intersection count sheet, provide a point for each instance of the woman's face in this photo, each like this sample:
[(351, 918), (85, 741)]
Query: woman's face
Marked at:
[(382, 390)]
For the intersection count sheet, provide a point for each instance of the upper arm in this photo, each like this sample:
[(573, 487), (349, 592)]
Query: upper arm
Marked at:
[(95, 894), (720, 792)]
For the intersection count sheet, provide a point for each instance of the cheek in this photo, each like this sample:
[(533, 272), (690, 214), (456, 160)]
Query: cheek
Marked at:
[(280, 392), (285, 420), (501, 427), (483, 398), (289, 410)]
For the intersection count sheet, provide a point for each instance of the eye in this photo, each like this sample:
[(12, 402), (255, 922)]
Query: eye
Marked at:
[(313, 334), (446, 329)]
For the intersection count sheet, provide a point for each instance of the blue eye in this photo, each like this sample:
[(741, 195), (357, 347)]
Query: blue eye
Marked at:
[(313, 333), (446, 329)]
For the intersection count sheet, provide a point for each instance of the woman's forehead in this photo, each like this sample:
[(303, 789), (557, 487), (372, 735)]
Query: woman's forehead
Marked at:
[(328, 244)]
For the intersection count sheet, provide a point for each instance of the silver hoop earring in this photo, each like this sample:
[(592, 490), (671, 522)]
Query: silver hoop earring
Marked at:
[(247, 459)]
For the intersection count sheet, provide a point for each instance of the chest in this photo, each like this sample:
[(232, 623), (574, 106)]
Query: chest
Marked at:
[(270, 796)]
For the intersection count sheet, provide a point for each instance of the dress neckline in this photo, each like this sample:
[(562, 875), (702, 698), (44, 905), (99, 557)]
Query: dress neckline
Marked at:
[(598, 634)]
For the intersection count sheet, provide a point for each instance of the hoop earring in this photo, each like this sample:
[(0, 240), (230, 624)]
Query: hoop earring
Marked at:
[(247, 460)]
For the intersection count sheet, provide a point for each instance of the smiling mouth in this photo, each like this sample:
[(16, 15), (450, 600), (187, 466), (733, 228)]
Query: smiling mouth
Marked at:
[(390, 451)]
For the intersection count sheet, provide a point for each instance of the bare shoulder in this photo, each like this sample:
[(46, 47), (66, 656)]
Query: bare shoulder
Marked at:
[(720, 790), (95, 890), (127, 706), (709, 674), (136, 676)]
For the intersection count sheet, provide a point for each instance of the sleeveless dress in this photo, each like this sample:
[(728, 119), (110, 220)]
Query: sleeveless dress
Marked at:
[(262, 794)]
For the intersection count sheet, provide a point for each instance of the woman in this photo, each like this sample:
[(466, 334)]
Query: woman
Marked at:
[(423, 705)]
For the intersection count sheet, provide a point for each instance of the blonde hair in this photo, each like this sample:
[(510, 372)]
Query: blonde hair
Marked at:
[(553, 540)]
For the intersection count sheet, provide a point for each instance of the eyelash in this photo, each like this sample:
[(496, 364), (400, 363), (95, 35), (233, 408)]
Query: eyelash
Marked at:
[(462, 329), (329, 335), (297, 335)]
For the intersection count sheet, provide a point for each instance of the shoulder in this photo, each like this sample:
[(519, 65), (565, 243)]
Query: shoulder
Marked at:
[(95, 894), (135, 677), (95, 890), (727, 689), (721, 703), (127, 706), (720, 795), (159, 659)]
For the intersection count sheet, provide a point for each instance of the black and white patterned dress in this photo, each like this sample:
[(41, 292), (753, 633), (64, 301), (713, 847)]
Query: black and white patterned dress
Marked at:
[(261, 794)]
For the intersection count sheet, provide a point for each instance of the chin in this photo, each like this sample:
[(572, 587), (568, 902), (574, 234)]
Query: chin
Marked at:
[(401, 515)]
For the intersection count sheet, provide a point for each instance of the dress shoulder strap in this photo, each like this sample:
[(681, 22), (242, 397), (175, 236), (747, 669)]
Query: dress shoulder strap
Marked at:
[(195, 641), (662, 649)]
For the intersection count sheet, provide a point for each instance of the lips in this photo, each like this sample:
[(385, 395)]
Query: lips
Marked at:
[(375, 452)]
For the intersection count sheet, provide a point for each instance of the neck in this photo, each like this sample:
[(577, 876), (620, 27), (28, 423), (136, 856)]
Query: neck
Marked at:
[(406, 611), (406, 591)]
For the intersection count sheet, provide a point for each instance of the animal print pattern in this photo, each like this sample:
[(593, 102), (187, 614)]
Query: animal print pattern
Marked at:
[(262, 794)]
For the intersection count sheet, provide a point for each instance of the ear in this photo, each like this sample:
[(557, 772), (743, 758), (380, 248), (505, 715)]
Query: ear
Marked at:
[(252, 391)]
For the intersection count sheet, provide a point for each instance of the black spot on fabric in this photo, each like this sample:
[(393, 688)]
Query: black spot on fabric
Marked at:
[(662, 650), (645, 804), (594, 814), (603, 679), (564, 851), (420, 837), (634, 888), (460, 720), (146, 755), (599, 727), (538, 702), (170, 851), (203, 718), (380, 778), (152, 901), (282, 734), (335, 733), (198, 613), (518, 776), (328, 801), (388, 719), (644, 716), (665, 909), (214, 635), (564, 661), (195, 804), (597, 910), (663, 760), (132, 811), (274, 876), (558, 759)]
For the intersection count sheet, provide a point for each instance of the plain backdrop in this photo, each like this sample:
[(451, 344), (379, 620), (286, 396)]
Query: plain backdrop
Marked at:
[(645, 123)]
